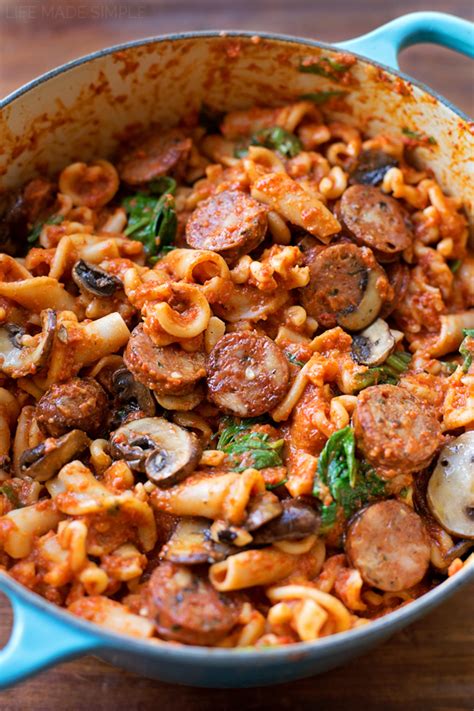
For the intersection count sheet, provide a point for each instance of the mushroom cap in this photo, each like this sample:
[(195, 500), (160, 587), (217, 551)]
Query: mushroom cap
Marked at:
[(164, 451), (17, 360), (373, 345), (91, 279), (450, 492), (46, 459)]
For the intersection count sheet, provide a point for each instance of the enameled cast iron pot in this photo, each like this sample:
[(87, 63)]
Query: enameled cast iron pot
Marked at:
[(77, 112)]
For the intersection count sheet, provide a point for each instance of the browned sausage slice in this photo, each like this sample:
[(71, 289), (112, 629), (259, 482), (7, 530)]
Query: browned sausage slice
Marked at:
[(398, 274), (168, 370), (343, 287), (156, 155), (247, 374), (394, 430), (231, 223), (187, 608), (78, 404), (375, 220), (389, 546)]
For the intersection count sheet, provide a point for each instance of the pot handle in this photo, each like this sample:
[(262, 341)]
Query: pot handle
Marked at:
[(38, 640), (385, 43)]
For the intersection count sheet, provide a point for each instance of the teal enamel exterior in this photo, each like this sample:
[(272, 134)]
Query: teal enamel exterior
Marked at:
[(44, 634), (384, 44)]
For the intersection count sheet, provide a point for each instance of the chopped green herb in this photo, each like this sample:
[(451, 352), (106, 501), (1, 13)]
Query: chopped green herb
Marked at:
[(466, 348), (11, 495), (328, 517), (293, 359), (249, 449), (320, 97), (275, 486), (325, 67), (277, 139), (455, 265), (418, 136), (152, 216), (351, 483), (451, 366), (388, 373), (34, 235), (241, 150)]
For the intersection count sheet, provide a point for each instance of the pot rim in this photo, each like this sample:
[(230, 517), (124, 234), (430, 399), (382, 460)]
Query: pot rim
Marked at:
[(106, 639), (220, 34)]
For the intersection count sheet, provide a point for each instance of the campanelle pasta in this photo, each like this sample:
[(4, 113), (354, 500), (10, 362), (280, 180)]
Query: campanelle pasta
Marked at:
[(236, 382)]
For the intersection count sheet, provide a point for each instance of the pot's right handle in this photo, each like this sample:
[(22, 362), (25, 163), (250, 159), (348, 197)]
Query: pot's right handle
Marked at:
[(385, 43)]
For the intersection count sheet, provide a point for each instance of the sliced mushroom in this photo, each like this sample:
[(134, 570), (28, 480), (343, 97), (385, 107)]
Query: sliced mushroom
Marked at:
[(450, 492), (368, 307), (95, 281), (18, 360), (132, 395), (262, 508), (373, 345), (45, 460), (191, 544), (164, 451), (371, 167), (298, 520)]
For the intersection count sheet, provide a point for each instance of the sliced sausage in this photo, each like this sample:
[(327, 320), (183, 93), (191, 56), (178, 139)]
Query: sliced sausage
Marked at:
[(343, 287), (247, 374), (371, 167), (78, 404), (375, 220), (155, 156), (231, 223), (168, 370), (394, 430), (389, 546), (398, 274), (186, 608)]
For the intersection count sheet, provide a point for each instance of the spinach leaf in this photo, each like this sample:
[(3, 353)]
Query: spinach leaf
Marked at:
[(466, 348), (293, 359), (455, 265), (152, 216), (275, 138), (256, 449), (34, 235), (11, 495), (325, 67), (389, 372), (351, 484), (418, 136), (320, 97)]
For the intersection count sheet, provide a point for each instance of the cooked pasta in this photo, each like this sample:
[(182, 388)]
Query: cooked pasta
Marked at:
[(237, 383)]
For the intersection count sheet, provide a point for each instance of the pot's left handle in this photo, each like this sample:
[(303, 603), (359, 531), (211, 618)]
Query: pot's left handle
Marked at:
[(384, 44), (38, 640)]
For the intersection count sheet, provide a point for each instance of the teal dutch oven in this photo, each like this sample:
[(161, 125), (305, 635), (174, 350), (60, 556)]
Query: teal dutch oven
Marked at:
[(79, 111)]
